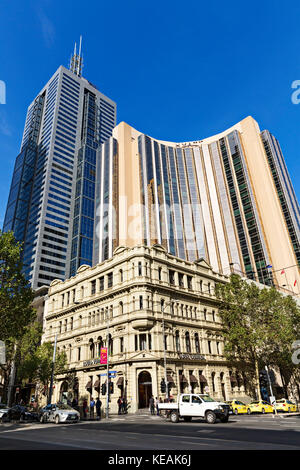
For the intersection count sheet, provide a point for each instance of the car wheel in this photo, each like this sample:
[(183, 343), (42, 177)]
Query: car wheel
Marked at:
[(289, 410), (57, 419), (263, 411), (210, 417), (236, 412), (248, 411), (42, 419), (174, 417), (22, 419)]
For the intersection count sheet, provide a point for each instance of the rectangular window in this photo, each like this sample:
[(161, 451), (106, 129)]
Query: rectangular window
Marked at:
[(93, 287), (101, 283), (110, 280), (121, 344)]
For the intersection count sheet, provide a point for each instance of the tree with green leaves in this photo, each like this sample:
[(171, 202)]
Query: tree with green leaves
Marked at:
[(260, 326), (35, 359), (16, 295)]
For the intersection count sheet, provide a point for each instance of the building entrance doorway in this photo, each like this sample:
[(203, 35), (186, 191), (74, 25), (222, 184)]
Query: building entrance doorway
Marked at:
[(145, 389)]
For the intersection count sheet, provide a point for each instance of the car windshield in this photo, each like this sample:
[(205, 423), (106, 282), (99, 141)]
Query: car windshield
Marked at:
[(240, 403), (62, 406), (254, 403), (207, 398)]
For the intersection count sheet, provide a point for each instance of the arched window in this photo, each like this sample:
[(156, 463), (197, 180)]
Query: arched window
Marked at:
[(213, 381), (121, 308), (92, 349), (177, 341), (121, 275), (100, 344), (197, 343), (187, 342)]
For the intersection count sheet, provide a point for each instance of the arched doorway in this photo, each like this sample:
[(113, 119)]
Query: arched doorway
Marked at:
[(145, 389)]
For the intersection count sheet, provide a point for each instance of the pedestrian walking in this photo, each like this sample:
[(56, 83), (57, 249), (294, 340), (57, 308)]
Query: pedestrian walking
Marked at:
[(151, 405), (156, 406), (84, 408), (124, 405), (98, 408), (120, 402), (92, 408)]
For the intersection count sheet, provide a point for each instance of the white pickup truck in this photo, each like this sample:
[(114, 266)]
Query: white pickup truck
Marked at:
[(194, 405)]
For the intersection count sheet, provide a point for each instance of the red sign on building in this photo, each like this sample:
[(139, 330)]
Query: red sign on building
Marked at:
[(103, 356)]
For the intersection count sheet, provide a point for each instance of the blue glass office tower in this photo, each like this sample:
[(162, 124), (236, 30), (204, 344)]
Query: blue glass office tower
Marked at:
[(51, 201)]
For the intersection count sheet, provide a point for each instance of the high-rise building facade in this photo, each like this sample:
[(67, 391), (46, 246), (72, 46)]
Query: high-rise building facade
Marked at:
[(227, 199), (51, 201)]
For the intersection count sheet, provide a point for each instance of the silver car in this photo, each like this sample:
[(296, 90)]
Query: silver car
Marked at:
[(60, 413)]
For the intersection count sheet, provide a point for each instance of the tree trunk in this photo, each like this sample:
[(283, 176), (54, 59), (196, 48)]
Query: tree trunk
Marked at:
[(257, 380)]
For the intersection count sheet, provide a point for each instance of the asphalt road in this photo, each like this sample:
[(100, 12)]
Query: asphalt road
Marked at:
[(143, 432)]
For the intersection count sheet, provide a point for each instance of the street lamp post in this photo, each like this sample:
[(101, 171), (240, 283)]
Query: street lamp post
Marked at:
[(107, 378), (165, 353), (164, 343)]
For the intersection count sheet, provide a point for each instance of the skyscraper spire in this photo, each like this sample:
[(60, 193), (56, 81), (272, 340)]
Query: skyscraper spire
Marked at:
[(76, 62)]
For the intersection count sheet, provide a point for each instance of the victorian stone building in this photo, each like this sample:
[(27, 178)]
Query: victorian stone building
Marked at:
[(160, 317)]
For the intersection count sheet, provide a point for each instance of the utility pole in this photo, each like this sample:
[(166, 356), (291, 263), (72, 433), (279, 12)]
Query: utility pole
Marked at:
[(107, 379)]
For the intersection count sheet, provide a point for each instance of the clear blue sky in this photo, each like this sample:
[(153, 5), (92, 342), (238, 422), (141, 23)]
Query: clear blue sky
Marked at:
[(178, 70)]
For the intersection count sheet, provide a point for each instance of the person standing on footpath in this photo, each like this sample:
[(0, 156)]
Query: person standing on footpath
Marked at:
[(92, 408), (120, 402), (84, 408), (156, 406), (151, 405), (98, 408)]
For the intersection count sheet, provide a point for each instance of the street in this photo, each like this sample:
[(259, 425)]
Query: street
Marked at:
[(144, 432)]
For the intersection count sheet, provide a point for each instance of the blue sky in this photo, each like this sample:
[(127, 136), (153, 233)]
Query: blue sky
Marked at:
[(178, 70)]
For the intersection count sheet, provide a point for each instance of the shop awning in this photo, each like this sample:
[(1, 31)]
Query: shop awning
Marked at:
[(120, 382), (170, 379), (182, 379), (89, 385), (202, 379), (193, 379)]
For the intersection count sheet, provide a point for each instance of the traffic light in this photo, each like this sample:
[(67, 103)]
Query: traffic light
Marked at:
[(163, 386), (103, 388), (111, 388)]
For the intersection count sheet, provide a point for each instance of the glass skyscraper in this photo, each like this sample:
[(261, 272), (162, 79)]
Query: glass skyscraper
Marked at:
[(51, 201), (227, 198)]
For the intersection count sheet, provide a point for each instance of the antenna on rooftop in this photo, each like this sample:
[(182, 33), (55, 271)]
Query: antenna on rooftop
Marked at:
[(76, 62)]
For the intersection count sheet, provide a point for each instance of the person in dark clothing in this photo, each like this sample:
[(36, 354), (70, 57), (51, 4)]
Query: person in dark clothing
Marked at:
[(84, 408), (98, 408), (152, 406), (124, 406), (120, 403)]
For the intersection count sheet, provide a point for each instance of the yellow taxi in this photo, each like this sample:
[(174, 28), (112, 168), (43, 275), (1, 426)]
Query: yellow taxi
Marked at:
[(259, 406), (285, 405), (237, 406)]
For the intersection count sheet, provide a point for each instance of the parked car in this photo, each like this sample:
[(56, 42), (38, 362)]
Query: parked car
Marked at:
[(3, 410), (58, 413), (237, 407), (18, 413), (285, 405), (195, 405), (259, 406)]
